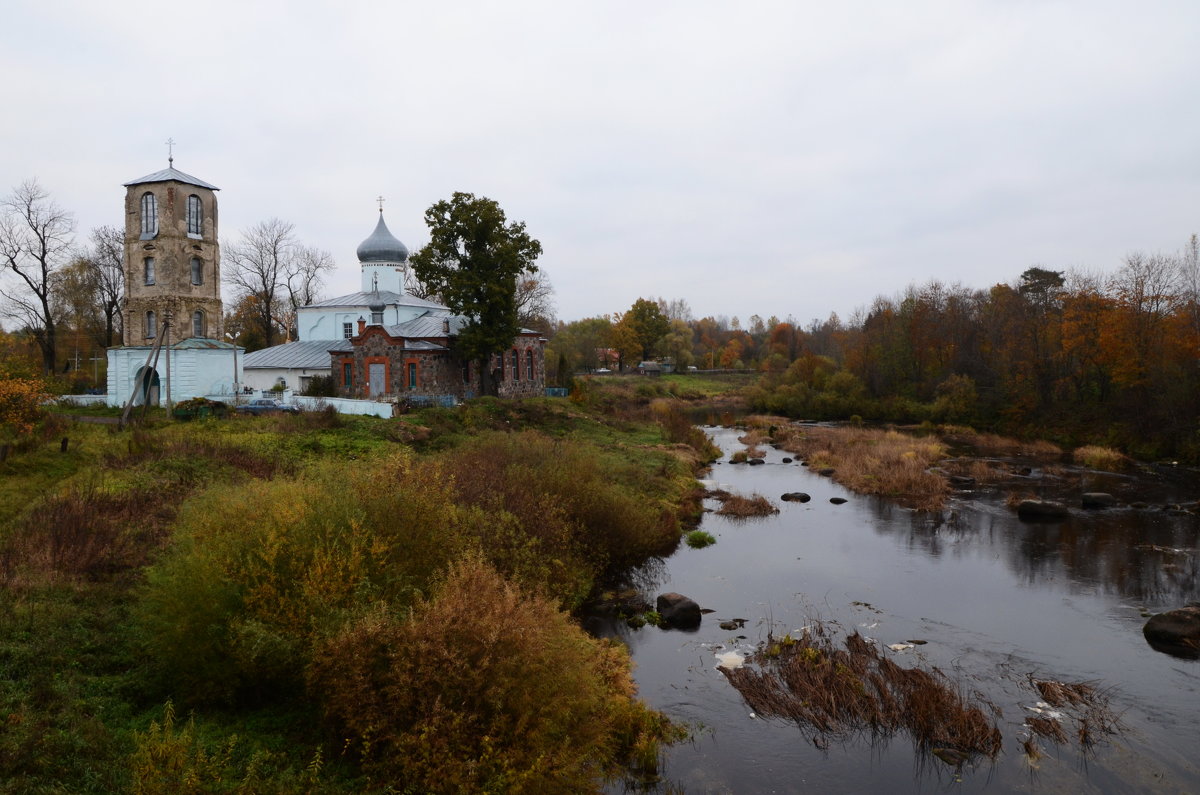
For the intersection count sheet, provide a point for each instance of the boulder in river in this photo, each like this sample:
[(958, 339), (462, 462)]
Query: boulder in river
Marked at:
[(837, 500), (795, 496), (755, 461), (787, 460), (1098, 499), (678, 611), (827, 471), (1041, 510), (1175, 632)]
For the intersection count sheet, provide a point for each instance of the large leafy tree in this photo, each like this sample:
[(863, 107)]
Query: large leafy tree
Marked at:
[(473, 260), (649, 324)]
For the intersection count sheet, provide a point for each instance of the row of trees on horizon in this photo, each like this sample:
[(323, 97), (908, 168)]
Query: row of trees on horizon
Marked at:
[(1050, 348)]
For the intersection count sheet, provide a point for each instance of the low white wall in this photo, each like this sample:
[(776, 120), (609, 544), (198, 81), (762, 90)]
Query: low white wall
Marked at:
[(369, 408), (84, 400)]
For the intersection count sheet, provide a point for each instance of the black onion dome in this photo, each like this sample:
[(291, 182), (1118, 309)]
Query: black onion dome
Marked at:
[(382, 246)]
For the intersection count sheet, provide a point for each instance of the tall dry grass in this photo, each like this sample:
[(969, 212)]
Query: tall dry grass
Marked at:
[(1104, 458), (873, 461), (994, 444)]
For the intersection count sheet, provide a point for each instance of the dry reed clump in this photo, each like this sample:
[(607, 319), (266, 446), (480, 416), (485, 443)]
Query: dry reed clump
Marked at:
[(1081, 702), (837, 692), (872, 461), (1015, 498), (979, 470), (741, 507), (1104, 458), (994, 444)]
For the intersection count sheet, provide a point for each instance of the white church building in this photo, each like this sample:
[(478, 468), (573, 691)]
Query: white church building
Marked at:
[(383, 262)]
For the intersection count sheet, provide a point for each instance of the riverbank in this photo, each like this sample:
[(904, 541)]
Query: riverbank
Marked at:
[(1006, 609), (220, 567)]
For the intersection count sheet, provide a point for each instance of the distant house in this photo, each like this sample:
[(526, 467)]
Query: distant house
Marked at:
[(649, 368)]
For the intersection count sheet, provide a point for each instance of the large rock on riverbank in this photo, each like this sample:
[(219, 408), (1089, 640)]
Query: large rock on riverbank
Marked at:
[(1175, 632), (678, 611)]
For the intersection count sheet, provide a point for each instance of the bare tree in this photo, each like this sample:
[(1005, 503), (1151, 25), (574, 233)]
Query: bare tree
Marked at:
[(282, 275), (35, 242), (106, 279), (535, 301)]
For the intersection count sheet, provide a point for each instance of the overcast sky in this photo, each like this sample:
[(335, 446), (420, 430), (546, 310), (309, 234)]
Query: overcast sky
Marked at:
[(778, 158)]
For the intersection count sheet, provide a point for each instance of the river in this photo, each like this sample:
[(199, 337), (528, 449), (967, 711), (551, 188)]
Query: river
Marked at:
[(996, 600)]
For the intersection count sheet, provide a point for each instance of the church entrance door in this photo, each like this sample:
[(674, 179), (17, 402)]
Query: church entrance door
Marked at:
[(146, 384), (375, 373)]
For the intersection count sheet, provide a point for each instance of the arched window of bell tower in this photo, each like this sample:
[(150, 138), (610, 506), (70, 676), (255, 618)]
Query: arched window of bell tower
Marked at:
[(149, 216), (198, 323), (151, 325), (195, 215)]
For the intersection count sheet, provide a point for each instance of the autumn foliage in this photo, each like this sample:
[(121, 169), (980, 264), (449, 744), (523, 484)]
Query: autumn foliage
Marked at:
[(22, 402)]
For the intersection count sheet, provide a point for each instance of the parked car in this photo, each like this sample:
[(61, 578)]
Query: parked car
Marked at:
[(267, 406)]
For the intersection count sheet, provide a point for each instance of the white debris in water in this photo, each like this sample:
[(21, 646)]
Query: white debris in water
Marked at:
[(730, 660), (869, 626), (1043, 708), (898, 647)]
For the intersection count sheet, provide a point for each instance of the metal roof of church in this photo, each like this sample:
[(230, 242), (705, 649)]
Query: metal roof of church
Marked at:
[(389, 298), (292, 356), (171, 174)]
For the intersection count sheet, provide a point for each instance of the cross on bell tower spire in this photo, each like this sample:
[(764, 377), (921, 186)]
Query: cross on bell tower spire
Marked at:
[(381, 200), (171, 153)]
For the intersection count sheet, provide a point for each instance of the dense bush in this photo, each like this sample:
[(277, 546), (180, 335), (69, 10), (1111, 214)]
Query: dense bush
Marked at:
[(257, 571), (577, 515), (484, 688)]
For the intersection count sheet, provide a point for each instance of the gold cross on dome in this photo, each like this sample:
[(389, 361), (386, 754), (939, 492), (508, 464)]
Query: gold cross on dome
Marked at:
[(381, 200)]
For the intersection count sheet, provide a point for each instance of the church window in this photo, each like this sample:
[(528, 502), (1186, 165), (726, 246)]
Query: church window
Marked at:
[(347, 371), (529, 364), (198, 323), (197, 271), (376, 318), (412, 375), (148, 269), (516, 366), (347, 332), (151, 324), (149, 216), (195, 215)]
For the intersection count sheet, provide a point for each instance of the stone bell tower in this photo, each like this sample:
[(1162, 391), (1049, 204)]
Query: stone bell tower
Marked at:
[(172, 258)]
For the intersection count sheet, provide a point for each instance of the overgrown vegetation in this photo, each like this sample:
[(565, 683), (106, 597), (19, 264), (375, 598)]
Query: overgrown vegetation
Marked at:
[(232, 567), (872, 461)]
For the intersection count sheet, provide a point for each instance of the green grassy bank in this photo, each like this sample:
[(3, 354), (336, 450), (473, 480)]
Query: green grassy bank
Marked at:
[(316, 603)]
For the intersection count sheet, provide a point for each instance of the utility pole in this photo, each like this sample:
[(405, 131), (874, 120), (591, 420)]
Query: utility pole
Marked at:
[(167, 330)]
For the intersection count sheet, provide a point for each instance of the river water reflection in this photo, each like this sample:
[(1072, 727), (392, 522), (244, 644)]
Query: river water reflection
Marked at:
[(996, 600)]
